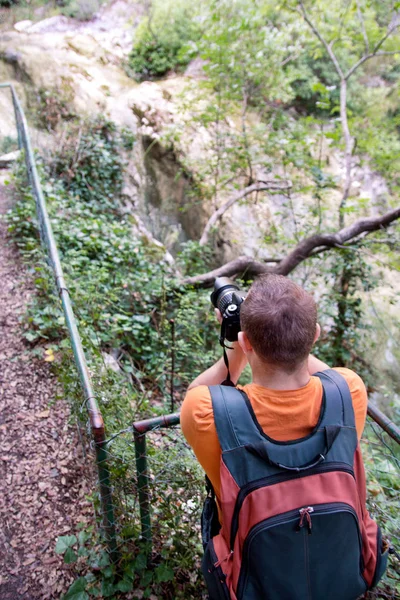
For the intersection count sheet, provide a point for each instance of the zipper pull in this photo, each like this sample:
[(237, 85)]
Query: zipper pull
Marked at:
[(305, 513), (219, 562)]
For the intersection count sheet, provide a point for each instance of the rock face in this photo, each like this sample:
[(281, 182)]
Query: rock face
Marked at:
[(82, 62)]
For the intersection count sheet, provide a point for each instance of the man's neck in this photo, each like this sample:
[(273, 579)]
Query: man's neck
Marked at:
[(270, 376)]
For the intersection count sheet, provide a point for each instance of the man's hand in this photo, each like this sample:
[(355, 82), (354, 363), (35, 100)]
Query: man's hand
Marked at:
[(218, 315), (218, 372)]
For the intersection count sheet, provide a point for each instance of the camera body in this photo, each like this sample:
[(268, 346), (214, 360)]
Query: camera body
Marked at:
[(227, 297)]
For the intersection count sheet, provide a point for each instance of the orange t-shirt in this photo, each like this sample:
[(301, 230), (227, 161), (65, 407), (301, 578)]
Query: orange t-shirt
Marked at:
[(283, 416)]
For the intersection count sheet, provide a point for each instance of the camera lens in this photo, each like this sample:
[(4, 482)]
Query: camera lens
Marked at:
[(221, 297)]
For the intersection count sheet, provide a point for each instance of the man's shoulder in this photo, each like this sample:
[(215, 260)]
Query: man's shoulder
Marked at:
[(198, 395), (354, 381), (197, 403), (196, 412)]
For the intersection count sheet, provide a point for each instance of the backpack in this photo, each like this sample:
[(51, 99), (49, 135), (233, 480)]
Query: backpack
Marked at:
[(295, 524)]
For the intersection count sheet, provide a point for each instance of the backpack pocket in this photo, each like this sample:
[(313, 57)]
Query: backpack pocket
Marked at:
[(381, 560), (306, 554), (213, 574)]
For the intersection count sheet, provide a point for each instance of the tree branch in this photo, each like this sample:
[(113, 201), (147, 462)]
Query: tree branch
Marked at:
[(366, 57), (349, 140), (328, 47), (364, 31), (306, 248), (255, 187)]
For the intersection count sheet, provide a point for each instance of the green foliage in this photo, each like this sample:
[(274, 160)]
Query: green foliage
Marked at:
[(164, 40), (8, 144), (89, 163), (51, 106), (124, 306), (82, 10), (341, 343)]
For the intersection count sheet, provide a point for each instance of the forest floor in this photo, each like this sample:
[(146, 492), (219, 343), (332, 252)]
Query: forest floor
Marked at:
[(43, 477)]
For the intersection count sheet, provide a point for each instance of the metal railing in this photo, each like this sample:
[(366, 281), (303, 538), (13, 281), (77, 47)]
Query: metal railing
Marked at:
[(47, 239)]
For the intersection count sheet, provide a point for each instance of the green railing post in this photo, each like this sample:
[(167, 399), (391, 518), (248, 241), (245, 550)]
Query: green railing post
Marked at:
[(143, 487), (106, 500), (140, 428)]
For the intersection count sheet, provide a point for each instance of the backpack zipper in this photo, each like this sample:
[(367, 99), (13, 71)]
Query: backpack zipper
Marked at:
[(294, 515), (273, 479)]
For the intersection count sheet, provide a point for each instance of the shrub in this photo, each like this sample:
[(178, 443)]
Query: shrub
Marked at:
[(164, 41), (53, 105), (8, 144), (82, 10)]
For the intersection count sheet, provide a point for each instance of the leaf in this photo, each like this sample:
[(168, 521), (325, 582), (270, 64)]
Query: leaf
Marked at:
[(140, 562), (77, 590), (164, 573), (104, 560), (64, 542), (146, 579), (30, 336), (44, 414), (108, 572), (125, 585), (69, 556), (83, 537), (107, 588)]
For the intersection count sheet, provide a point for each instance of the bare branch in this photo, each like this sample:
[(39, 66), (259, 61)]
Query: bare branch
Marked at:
[(367, 57), (364, 31), (242, 265), (306, 248), (328, 47), (349, 145), (255, 187)]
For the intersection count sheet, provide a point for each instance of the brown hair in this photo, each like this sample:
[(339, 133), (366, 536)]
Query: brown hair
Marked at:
[(279, 319)]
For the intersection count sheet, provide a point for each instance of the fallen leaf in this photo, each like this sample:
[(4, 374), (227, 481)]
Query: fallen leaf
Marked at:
[(44, 414)]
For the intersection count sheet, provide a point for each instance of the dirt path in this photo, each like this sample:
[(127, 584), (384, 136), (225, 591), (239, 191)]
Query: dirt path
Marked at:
[(42, 476)]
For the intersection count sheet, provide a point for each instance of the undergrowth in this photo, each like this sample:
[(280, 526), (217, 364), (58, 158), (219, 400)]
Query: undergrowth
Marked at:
[(128, 304)]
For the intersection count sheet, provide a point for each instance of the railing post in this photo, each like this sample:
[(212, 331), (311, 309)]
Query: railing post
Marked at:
[(106, 501), (143, 487)]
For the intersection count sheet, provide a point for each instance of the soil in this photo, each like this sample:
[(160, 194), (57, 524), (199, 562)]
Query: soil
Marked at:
[(44, 480)]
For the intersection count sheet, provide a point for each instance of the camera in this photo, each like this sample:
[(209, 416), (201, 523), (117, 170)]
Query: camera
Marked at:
[(227, 297)]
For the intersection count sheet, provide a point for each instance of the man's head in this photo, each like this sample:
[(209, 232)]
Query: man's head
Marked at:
[(279, 320)]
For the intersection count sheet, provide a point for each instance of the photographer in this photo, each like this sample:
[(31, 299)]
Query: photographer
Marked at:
[(291, 464)]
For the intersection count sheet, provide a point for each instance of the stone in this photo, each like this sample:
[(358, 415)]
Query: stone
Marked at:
[(7, 159), (22, 25)]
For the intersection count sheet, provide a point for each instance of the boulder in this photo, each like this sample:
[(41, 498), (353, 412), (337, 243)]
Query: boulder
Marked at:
[(7, 159), (23, 25)]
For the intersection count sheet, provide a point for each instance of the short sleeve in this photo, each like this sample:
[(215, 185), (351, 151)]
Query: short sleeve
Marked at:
[(359, 396), (198, 427)]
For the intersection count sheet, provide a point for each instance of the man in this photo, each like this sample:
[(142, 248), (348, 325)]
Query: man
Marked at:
[(279, 327)]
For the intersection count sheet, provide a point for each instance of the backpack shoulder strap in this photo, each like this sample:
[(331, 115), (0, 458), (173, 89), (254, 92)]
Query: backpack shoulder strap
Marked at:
[(338, 404), (233, 421)]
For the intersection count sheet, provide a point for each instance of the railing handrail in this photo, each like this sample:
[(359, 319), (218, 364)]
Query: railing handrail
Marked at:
[(95, 416)]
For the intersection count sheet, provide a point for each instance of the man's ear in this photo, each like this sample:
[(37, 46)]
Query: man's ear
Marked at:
[(244, 342), (317, 332)]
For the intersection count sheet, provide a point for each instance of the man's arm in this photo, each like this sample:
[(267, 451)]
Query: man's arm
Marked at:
[(315, 365), (216, 374)]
